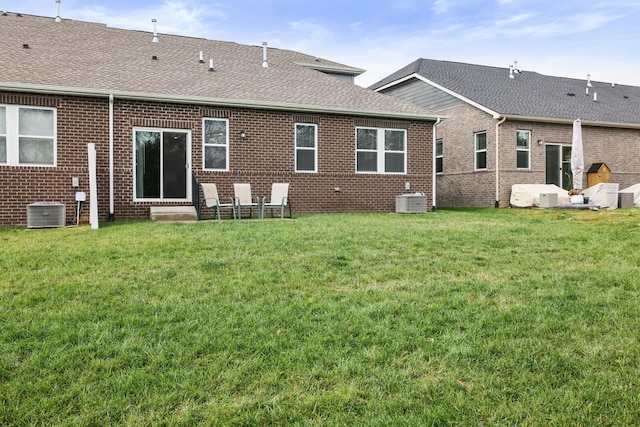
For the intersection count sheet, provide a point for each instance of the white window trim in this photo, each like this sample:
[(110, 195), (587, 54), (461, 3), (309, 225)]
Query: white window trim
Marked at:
[(13, 136), (315, 148), (133, 157), (476, 151), (206, 144), (380, 167), (528, 150), (440, 156)]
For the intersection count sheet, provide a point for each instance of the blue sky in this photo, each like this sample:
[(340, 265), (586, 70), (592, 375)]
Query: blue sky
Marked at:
[(561, 37)]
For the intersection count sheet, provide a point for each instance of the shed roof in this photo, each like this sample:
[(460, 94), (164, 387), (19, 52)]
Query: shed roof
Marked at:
[(93, 59), (528, 94)]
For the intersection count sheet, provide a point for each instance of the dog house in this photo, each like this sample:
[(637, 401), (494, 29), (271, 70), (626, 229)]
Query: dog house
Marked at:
[(598, 173)]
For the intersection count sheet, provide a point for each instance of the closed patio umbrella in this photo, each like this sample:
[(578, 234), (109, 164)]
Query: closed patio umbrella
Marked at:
[(577, 155)]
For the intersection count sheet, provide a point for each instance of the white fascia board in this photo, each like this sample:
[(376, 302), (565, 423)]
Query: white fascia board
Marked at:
[(222, 102), (570, 121), (487, 110)]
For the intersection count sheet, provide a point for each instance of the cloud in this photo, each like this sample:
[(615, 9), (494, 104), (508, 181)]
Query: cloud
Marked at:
[(174, 17), (440, 6)]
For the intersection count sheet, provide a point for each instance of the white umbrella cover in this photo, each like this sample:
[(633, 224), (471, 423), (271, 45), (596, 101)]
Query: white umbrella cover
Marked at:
[(577, 155)]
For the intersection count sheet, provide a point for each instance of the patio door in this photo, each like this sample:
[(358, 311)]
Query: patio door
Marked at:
[(558, 165), (161, 165)]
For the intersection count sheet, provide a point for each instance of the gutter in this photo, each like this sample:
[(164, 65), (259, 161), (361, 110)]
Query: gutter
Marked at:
[(111, 208), (433, 168), (497, 203), (222, 102)]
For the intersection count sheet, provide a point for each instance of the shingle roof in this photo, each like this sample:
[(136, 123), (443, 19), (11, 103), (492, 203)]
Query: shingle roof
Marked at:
[(528, 94), (81, 57)]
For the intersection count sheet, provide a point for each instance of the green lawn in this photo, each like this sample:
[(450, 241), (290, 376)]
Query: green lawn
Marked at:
[(460, 317)]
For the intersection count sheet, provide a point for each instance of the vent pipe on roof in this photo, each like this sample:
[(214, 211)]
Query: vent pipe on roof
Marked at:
[(265, 63), (155, 30), (511, 76), (589, 80), (58, 19), (201, 58), (595, 96), (211, 65), (515, 67)]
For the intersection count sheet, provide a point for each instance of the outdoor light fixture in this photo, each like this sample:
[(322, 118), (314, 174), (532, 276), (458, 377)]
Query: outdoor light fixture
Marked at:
[(243, 134), (540, 142)]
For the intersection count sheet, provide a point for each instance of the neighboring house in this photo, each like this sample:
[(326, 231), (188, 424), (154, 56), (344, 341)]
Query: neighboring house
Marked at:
[(508, 126), (163, 108)]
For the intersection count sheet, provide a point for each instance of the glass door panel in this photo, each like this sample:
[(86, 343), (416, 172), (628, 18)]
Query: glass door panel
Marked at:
[(174, 164), (147, 185)]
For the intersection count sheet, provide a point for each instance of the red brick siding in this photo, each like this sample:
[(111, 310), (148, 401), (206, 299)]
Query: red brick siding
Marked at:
[(265, 156)]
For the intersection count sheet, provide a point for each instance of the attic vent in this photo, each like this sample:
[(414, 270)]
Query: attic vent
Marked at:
[(155, 31), (571, 94), (45, 215), (625, 97), (265, 63), (58, 19), (154, 57)]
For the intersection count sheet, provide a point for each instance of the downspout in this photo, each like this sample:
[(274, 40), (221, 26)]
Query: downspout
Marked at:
[(111, 209), (433, 167), (497, 204)]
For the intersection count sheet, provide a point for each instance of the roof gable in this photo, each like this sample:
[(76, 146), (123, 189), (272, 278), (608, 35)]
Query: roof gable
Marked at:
[(88, 58), (528, 94)]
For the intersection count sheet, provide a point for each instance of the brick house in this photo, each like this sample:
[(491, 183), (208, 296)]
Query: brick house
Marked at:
[(508, 126), (161, 109)]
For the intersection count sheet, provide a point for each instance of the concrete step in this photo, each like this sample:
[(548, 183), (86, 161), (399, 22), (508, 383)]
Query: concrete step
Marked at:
[(173, 213)]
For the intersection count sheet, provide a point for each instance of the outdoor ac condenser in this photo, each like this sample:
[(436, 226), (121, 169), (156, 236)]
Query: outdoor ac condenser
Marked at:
[(411, 203), (45, 215)]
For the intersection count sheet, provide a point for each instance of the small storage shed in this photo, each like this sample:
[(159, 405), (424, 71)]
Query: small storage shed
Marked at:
[(598, 173)]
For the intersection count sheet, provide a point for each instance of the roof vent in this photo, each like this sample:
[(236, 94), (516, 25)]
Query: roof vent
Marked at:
[(201, 60), (265, 63), (155, 30), (595, 96), (511, 76), (26, 46), (211, 65), (154, 57), (589, 80), (516, 69), (571, 94), (4, 13), (58, 19)]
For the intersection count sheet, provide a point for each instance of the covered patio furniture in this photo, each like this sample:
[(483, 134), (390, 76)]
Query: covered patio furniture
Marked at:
[(244, 199), (279, 200), (211, 200)]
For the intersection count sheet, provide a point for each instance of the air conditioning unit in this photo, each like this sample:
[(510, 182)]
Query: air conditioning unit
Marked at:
[(411, 203), (45, 215)]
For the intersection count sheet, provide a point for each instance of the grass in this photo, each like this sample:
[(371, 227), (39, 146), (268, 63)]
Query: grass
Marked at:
[(460, 317)]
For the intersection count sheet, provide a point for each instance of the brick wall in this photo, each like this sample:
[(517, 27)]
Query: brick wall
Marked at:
[(265, 156), (460, 185)]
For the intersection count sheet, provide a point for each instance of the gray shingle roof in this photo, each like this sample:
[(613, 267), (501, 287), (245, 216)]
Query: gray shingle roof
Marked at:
[(529, 94), (81, 57)]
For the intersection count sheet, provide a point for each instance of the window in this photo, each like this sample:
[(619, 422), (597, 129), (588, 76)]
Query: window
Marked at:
[(215, 144), (523, 148), (3, 134), (439, 155), (481, 150), (380, 150), (306, 153), (27, 136)]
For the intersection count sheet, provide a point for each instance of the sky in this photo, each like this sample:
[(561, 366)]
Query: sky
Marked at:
[(567, 38)]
